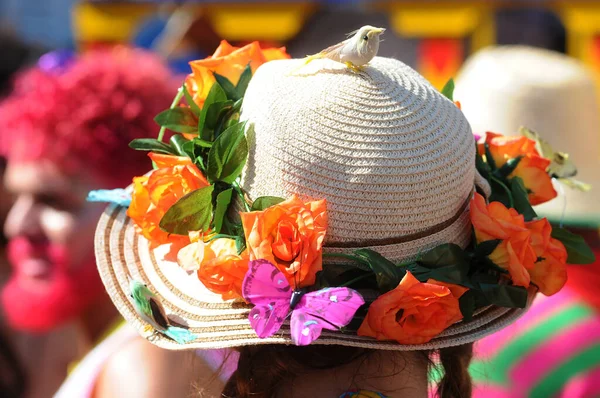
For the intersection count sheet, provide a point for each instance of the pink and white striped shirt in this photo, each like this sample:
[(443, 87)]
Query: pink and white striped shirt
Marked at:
[(552, 351)]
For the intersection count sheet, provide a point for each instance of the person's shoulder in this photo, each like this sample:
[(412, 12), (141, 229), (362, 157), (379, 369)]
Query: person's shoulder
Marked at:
[(140, 369)]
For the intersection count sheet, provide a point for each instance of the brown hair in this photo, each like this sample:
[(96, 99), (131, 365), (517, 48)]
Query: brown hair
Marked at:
[(262, 369), (456, 382)]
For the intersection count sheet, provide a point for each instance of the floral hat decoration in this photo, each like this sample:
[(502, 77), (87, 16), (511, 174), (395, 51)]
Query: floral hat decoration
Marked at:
[(314, 203), (548, 92)]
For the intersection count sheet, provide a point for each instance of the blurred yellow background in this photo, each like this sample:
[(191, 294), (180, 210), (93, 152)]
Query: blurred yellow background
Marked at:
[(442, 33)]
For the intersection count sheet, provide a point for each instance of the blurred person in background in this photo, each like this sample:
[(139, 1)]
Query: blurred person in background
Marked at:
[(65, 128), (15, 55), (554, 349)]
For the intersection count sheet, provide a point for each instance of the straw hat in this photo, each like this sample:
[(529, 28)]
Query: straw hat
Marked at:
[(393, 157), (503, 88)]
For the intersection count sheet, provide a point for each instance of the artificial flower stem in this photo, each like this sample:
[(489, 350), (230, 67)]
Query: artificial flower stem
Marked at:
[(161, 132), (176, 101)]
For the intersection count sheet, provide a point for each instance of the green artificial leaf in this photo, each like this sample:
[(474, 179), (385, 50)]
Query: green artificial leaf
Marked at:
[(193, 212), (472, 300), (500, 193), (487, 263), (190, 149), (578, 251), (521, 199), (448, 90), (181, 120), (388, 275), (228, 155), (418, 271), (223, 121), (482, 167), (343, 275), (507, 168), (357, 263), (335, 271), (505, 295), (227, 86), (445, 263), (237, 105), (321, 281), (486, 248), (199, 142), (215, 95), (354, 263), (485, 278), (177, 142), (240, 244), (213, 118), (151, 144), (265, 202), (223, 201), (467, 304), (450, 274), (488, 157), (196, 150), (242, 84), (444, 255), (232, 120), (190, 101)]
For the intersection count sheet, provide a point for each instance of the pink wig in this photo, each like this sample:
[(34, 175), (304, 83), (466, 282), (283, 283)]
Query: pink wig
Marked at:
[(83, 117)]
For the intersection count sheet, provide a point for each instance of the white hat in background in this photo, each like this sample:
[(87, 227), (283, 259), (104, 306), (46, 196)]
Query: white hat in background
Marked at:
[(505, 87)]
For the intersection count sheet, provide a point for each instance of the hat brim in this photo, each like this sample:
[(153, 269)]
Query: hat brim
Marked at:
[(122, 254)]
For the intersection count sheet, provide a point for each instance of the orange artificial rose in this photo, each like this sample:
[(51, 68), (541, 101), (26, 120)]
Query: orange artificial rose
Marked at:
[(290, 235), (503, 148), (549, 273), (414, 312), (230, 62), (531, 169), (514, 253), (220, 269), (155, 193)]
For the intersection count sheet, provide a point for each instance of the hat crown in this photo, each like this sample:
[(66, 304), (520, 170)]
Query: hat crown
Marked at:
[(392, 156)]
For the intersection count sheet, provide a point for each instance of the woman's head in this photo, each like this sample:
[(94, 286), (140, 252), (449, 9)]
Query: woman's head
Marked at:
[(341, 216), (65, 131), (327, 371)]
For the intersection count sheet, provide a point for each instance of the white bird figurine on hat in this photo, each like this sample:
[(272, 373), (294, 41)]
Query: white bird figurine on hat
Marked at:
[(356, 51)]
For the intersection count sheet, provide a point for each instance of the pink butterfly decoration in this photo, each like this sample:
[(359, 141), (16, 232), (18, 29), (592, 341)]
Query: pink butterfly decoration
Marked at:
[(274, 299)]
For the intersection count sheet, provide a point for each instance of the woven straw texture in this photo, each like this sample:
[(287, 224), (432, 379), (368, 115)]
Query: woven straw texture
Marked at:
[(393, 157), (122, 254), (502, 88)]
